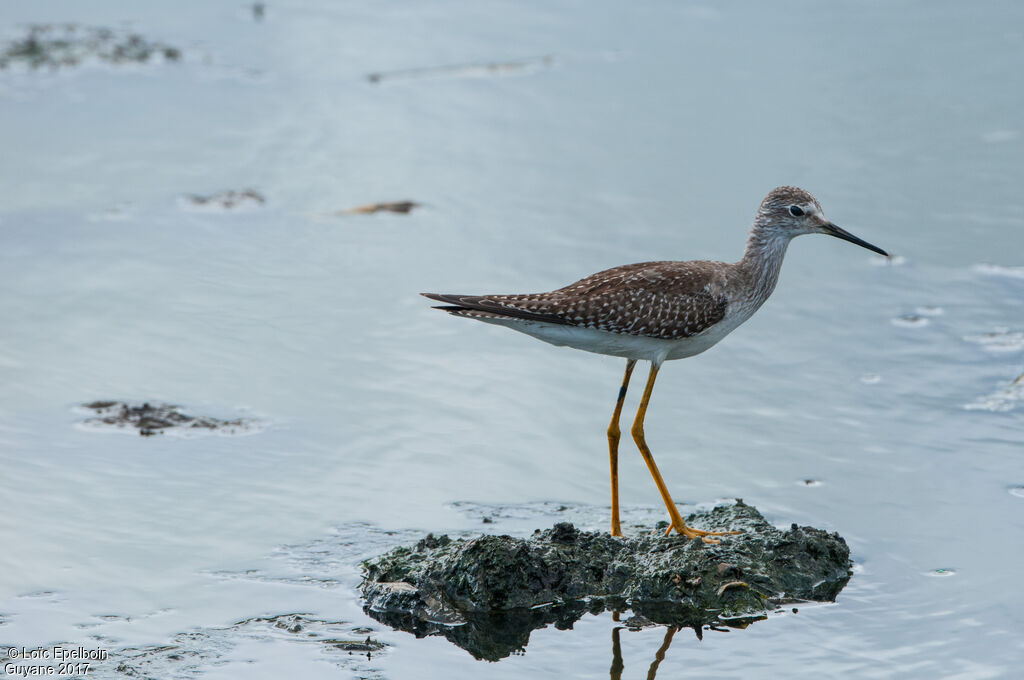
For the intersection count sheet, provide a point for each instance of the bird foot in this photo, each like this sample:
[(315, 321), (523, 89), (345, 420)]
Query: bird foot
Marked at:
[(690, 532)]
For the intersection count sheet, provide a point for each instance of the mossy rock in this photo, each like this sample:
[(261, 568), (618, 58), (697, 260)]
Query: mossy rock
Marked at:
[(487, 593)]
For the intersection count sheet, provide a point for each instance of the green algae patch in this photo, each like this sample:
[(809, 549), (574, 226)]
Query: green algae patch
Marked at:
[(486, 594)]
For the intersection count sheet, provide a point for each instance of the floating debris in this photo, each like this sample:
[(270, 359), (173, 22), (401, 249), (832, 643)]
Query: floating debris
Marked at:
[(941, 573), (811, 482), (910, 321), (56, 46), (323, 632), (224, 201), (155, 419), (487, 594), (401, 207), (471, 70)]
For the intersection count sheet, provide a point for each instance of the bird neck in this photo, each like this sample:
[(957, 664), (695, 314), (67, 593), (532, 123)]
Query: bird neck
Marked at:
[(762, 261)]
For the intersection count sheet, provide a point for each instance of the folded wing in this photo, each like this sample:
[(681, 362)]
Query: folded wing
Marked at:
[(653, 299)]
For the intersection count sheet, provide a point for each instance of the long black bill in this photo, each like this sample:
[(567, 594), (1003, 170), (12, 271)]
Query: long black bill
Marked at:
[(833, 230)]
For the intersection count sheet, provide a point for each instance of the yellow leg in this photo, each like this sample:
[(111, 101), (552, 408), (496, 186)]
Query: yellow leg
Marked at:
[(638, 436), (613, 447)]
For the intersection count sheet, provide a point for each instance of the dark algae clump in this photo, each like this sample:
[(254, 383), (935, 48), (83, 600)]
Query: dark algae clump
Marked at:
[(150, 419), (56, 46), (225, 200), (488, 593), (400, 207)]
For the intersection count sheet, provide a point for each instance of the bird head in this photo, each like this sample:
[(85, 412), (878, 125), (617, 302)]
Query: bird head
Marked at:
[(789, 211)]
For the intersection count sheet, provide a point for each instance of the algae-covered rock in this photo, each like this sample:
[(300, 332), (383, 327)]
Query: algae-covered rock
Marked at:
[(488, 593)]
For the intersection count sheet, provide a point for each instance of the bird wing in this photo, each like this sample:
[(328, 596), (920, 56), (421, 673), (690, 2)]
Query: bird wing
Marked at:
[(668, 300), (498, 305)]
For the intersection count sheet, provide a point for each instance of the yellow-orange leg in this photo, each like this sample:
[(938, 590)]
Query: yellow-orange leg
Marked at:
[(638, 436), (613, 447)]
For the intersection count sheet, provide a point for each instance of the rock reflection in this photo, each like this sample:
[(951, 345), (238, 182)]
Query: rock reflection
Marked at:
[(491, 636), (496, 635)]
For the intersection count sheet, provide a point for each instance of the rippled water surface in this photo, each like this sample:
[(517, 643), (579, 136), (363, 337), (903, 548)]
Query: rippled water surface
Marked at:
[(544, 143)]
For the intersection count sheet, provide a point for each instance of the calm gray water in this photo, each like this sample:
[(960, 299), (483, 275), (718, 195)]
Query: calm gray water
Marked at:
[(650, 133)]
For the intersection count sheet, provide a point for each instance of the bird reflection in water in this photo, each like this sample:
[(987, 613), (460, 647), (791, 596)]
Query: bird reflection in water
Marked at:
[(618, 665)]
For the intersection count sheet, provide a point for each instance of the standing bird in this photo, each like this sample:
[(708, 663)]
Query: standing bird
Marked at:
[(656, 311)]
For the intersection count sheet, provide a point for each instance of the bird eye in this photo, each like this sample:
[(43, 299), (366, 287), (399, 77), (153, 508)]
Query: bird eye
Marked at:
[(796, 211)]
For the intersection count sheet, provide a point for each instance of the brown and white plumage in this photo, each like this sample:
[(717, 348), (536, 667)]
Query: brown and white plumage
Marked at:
[(653, 299), (658, 311)]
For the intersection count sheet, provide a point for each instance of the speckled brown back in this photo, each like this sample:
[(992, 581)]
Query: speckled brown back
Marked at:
[(667, 300)]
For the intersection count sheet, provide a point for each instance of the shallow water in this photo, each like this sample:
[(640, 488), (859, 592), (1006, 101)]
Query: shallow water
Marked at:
[(647, 134)]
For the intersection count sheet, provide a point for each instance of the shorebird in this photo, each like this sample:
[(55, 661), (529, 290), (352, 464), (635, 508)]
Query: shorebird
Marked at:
[(659, 311)]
